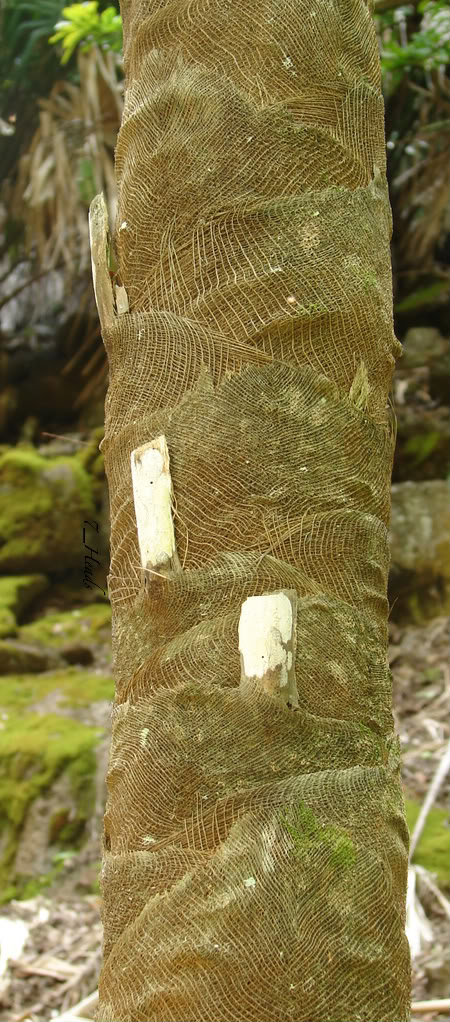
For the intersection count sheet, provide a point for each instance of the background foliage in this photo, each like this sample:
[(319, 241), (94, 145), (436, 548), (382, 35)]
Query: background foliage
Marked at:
[(60, 108)]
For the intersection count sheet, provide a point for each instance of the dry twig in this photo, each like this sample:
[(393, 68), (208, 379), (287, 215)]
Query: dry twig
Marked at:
[(441, 772), (425, 1006)]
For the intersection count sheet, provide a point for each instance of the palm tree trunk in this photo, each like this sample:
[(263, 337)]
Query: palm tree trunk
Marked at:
[(255, 849)]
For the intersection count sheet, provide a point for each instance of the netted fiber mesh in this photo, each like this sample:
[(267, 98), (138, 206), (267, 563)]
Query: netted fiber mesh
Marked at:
[(255, 858)]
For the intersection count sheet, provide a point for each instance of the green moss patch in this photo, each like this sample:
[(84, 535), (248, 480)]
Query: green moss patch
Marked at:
[(432, 849), (18, 591), (8, 624), (34, 750), (71, 687), (46, 503), (308, 834), (83, 625)]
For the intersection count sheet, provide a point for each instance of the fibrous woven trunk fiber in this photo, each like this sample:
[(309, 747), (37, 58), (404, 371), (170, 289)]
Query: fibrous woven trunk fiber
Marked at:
[(255, 857)]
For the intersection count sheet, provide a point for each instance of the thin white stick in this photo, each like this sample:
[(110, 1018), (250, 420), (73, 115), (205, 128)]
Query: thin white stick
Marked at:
[(267, 641), (442, 770), (85, 1009), (438, 1005)]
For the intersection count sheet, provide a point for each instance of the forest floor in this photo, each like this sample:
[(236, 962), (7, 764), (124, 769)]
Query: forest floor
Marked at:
[(55, 938)]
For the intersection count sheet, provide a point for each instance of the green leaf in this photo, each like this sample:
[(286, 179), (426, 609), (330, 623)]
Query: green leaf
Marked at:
[(424, 296), (84, 26)]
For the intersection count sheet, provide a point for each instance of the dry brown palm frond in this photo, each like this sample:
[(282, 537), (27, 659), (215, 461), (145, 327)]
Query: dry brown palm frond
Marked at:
[(69, 160), (420, 188)]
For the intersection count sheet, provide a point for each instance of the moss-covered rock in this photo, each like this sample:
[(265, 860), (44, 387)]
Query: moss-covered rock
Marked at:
[(77, 636), (69, 688), (432, 849), (17, 656), (419, 535), (420, 550), (8, 623), (85, 626), (44, 505), (34, 752), (49, 741), (17, 592)]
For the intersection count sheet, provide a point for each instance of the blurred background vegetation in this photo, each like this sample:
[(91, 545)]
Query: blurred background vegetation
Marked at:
[(60, 108)]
